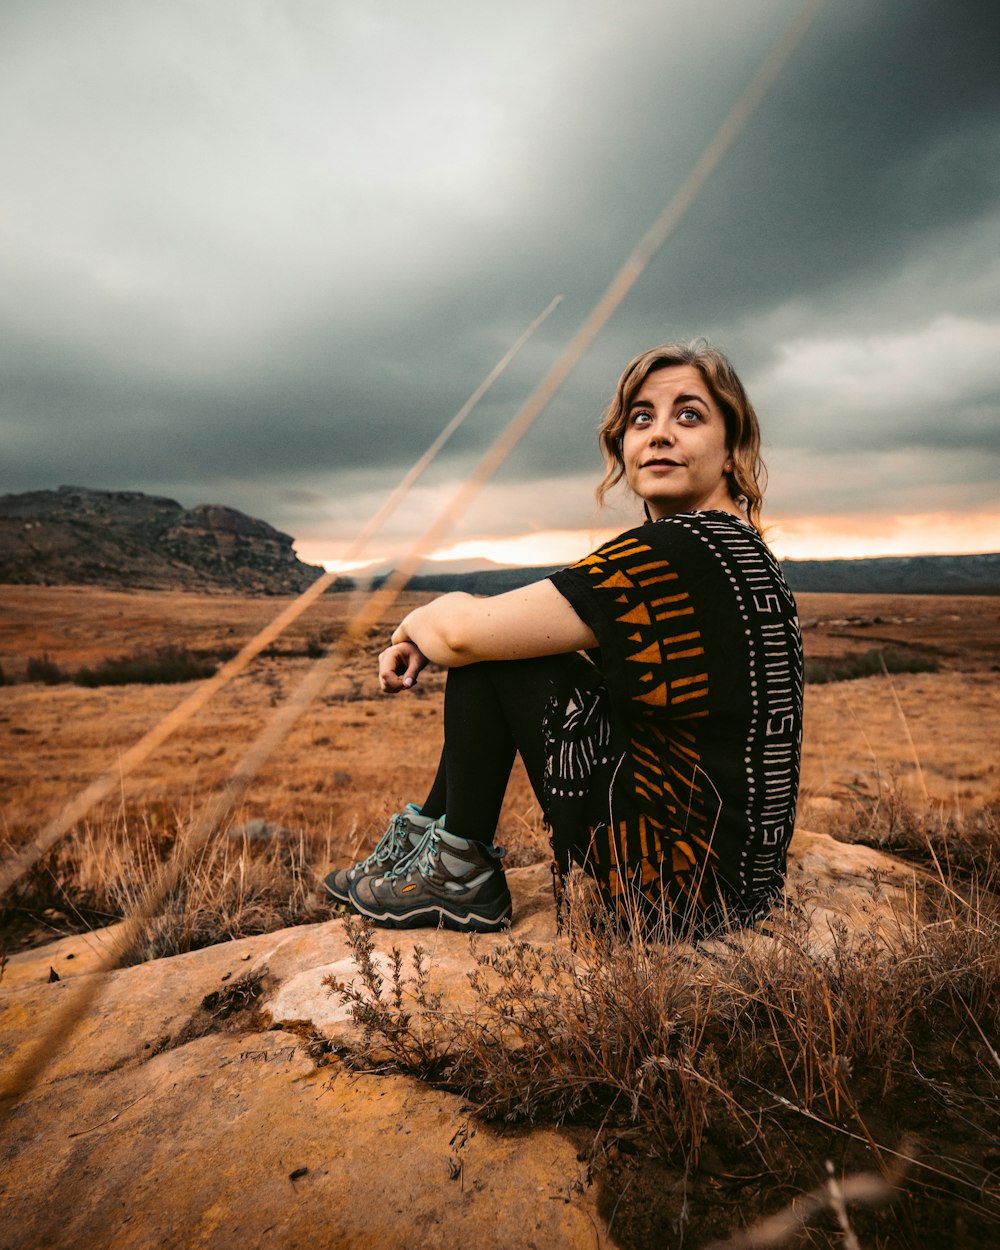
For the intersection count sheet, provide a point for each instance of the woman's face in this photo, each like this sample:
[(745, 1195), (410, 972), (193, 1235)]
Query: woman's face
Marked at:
[(674, 446)]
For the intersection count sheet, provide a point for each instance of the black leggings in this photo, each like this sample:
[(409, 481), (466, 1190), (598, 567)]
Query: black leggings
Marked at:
[(492, 711)]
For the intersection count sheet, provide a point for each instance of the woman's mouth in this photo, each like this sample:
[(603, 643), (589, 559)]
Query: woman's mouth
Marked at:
[(663, 463)]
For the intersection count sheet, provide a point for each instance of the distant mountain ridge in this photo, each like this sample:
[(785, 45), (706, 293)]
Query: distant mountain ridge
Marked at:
[(882, 575), (898, 575), (126, 539), (130, 540)]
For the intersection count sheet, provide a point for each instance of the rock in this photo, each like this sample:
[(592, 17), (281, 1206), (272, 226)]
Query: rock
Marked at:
[(153, 1131), (71, 957), (177, 1114), (125, 539), (259, 830), (197, 1147)]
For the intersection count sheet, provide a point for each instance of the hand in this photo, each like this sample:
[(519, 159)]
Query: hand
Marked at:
[(398, 667)]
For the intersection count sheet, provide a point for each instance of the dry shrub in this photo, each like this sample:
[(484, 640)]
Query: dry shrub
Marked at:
[(164, 667), (615, 1030), (40, 668), (236, 884), (943, 838), (726, 1046), (855, 1009), (390, 1036), (821, 669), (610, 1034)]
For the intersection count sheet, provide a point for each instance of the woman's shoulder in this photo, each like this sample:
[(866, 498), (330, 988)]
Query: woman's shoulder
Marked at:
[(688, 534), (692, 545), (691, 531), (705, 549)]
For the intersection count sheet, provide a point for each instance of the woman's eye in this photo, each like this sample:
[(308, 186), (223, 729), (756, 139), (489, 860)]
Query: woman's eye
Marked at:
[(689, 415), (641, 418)]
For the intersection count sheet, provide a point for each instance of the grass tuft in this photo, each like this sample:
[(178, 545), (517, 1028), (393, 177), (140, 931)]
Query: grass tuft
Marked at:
[(167, 666), (238, 885), (874, 663)]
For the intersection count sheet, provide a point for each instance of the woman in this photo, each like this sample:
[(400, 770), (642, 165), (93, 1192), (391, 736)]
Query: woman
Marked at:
[(666, 763)]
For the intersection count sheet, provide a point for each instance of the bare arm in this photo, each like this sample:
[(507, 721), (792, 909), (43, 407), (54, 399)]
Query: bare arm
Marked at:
[(461, 629)]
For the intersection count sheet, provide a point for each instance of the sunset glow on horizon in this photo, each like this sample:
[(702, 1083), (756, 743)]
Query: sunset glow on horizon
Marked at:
[(791, 538), (865, 536)]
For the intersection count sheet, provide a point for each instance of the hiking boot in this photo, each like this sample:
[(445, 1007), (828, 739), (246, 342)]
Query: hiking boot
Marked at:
[(404, 835), (449, 881)]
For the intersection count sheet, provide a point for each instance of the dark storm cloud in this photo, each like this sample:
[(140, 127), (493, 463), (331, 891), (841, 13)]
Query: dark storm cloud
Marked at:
[(272, 248)]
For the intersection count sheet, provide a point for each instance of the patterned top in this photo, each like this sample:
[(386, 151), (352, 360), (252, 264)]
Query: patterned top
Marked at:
[(695, 720)]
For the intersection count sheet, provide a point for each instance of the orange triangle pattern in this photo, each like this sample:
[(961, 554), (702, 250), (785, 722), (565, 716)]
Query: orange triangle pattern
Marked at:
[(639, 615), (669, 857)]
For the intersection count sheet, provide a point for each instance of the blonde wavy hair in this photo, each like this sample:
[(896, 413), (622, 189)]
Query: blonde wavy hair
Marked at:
[(749, 476)]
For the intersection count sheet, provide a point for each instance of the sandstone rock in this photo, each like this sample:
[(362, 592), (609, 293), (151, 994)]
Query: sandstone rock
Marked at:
[(234, 1141), (166, 1119), (147, 1130)]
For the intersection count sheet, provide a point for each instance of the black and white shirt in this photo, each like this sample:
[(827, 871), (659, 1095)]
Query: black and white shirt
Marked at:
[(694, 720)]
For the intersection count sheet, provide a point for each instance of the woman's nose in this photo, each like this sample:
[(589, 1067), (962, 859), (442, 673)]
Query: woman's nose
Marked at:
[(661, 434)]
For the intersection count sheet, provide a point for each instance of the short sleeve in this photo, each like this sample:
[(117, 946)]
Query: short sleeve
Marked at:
[(643, 595), (595, 586)]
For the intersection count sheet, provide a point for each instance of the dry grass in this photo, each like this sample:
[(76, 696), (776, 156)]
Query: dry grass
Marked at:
[(881, 1052), (334, 780), (356, 756), (251, 878)]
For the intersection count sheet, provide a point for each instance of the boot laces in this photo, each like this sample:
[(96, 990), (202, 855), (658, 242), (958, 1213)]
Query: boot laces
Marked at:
[(391, 843), (423, 857)]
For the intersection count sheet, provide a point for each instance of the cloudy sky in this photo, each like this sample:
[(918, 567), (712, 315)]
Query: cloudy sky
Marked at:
[(258, 252)]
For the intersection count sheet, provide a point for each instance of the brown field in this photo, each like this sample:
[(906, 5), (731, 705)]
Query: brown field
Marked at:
[(356, 755), (909, 1040)]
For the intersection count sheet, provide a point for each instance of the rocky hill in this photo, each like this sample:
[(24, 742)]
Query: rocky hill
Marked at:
[(125, 539)]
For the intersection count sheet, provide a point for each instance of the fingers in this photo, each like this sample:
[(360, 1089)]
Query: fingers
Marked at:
[(415, 663), (388, 680), (399, 666)]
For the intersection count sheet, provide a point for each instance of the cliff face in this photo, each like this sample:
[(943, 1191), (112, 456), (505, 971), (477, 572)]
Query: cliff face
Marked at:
[(125, 539)]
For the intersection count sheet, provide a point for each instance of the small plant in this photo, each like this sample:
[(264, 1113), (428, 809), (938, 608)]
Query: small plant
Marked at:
[(389, 1036), (822, 669), (163, 667), (41, 668), (236, 886)]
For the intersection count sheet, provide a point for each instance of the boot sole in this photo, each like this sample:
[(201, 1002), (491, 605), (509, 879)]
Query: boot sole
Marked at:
[(338, 896), (436, 915)]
